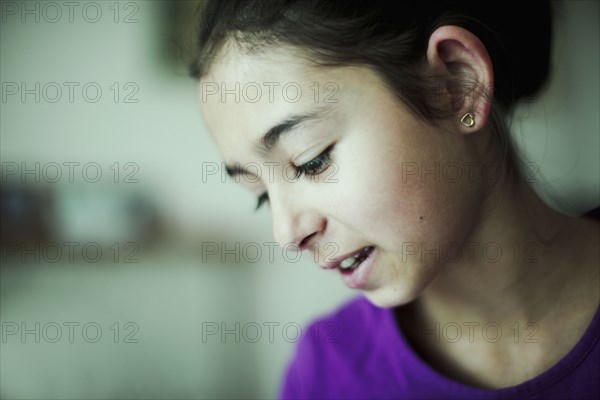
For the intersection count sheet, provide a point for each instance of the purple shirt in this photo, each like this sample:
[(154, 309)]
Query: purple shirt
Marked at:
[(358, 352)]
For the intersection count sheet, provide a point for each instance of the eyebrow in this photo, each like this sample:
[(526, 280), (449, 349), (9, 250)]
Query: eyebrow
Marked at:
[(269, 140)]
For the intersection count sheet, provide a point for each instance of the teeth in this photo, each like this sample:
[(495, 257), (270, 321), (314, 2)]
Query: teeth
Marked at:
[(354, 261), (348, 262)]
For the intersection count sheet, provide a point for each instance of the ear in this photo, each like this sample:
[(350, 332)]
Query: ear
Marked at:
[(460, 55)]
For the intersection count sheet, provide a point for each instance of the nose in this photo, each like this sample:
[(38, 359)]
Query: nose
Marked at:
[(294, 221)]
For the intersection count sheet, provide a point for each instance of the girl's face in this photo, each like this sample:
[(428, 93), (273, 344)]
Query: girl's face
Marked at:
[(381, 177)]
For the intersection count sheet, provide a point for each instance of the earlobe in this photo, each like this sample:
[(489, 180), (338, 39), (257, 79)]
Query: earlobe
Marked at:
[(459, 56)]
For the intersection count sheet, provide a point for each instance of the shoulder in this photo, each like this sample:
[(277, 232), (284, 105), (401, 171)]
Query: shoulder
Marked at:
[(350, 312), (343, 332), (333, 349)]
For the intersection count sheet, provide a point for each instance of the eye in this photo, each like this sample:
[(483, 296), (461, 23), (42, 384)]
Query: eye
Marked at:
[(263, 198), (315, 166)]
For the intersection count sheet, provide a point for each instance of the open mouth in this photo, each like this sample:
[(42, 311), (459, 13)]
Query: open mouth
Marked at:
[(351, 263)]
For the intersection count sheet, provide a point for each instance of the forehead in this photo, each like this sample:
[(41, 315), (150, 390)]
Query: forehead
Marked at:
[(243, 95)]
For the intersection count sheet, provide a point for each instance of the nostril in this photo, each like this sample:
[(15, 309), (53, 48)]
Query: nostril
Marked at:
[(305, 242)]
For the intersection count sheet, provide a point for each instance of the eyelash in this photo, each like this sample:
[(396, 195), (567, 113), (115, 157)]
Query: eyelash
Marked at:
[(313, 167), (262, 199)]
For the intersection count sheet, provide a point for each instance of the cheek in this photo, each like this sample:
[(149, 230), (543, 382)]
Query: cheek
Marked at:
[(379, 201), (391, 202), (422, 209)]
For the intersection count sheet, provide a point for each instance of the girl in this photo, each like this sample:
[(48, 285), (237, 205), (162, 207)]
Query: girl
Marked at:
[(383, 129)]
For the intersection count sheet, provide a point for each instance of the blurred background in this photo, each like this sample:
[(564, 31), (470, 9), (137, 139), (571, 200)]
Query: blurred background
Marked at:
[(127, 270)]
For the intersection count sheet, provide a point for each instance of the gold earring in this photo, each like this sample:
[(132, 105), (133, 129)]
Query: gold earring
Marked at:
[(468, 120)]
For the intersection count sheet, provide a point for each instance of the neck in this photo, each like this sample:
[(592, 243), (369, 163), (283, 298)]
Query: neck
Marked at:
[(512, 267), (527, 270)]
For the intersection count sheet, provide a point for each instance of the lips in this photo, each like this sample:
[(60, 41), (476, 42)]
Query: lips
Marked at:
[(359, 255)]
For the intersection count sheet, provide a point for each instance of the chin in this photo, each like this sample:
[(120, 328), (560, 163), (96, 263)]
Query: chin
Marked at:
[(402, 287), (389, 297)]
